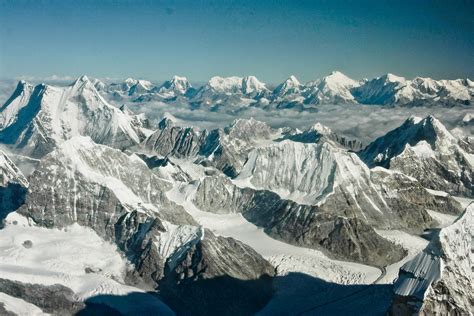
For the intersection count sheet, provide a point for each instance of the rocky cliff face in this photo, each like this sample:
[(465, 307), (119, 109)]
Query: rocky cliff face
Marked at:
[(171, 140), (438, 281), (13, 186)]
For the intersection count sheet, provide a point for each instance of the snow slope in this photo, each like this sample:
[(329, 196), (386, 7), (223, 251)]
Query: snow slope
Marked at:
[(286, 258), (75, 257)]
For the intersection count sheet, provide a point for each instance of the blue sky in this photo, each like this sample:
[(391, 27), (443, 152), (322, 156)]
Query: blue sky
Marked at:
[(269, 39)]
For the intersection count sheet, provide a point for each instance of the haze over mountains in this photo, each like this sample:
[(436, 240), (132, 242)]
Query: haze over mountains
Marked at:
[(224, 220)]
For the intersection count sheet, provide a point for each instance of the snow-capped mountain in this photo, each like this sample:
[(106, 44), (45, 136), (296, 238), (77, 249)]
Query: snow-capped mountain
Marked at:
[(439, 279), (36, 119), (427, 151), (132, 87), (319, 131), (387, 89), (332, 89), (289, 89), (335, 203), (234, 92), (230, 92), (394, 90), (252, 87), (174, 87)]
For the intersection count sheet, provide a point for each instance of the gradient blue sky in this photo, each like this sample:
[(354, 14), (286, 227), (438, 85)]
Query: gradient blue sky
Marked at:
[(269, 39)]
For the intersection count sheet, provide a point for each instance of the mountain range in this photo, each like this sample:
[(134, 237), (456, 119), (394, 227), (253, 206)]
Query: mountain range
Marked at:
[(335, 88), (122, 216)]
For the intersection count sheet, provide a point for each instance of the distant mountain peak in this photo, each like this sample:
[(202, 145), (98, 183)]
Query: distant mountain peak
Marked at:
[(389, 77), (289, 86), (225, 84), (176, 85), (293, 81), (321, 129)]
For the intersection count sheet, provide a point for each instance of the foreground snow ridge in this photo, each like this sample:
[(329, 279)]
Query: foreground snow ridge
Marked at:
[(439, 279)]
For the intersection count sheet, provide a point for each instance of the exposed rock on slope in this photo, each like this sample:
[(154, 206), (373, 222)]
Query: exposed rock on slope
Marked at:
[(9, 173), (171, 140), (304, 225), (13, 186), (54, 299), (439, 280), (226, 149), (427, 151)]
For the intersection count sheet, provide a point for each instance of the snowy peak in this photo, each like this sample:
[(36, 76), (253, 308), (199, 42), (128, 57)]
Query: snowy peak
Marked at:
[(289, 86), (392, 78), (82, 78), (249, 130), (387, 89), (306, 173), (412, 131), (427, 151), (251, 84), (54, 114), (132, 87), (321, 129), (337, 78), (176, 86), (166, 122), (225, 84), (334, 88)]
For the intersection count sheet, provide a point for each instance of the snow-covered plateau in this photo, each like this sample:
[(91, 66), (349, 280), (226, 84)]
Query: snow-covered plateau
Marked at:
[(332, 197)]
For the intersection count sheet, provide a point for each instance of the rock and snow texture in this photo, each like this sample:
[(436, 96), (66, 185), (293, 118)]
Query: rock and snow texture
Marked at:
[(174, 87), (313, 174), (318, 131), (13, 186), (9, 172), (427, 151), (124, 202), (74, 257), (439, 280), (172, 140), (37, 119)]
